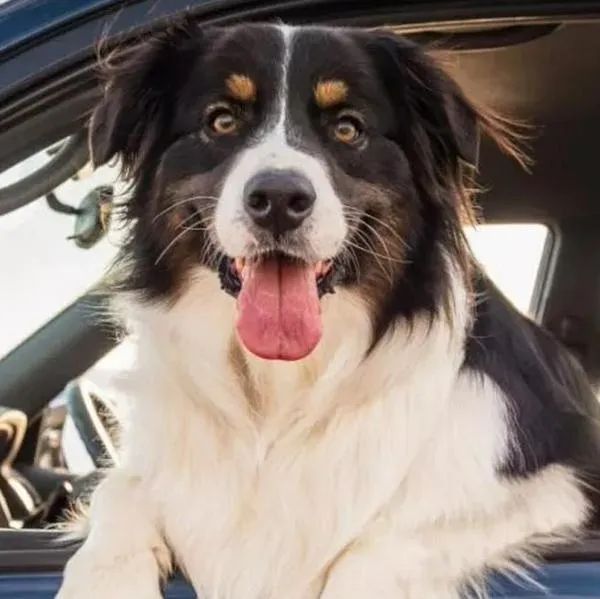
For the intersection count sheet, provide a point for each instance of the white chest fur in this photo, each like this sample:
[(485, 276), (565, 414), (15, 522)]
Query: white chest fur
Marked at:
[(398, 452), (260, 522)]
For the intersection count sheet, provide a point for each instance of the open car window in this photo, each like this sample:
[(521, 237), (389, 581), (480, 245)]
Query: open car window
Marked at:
[(42, 268), (513, 256)]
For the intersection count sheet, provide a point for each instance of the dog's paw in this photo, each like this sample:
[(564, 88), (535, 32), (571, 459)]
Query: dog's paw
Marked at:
[(92, 576)]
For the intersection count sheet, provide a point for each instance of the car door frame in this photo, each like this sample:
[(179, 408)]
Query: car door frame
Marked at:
[(46, 91)]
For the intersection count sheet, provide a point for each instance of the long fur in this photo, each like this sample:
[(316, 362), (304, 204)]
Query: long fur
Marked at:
[(432, 437)]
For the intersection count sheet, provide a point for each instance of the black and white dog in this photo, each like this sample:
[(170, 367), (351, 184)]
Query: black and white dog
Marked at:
[(330, 399)]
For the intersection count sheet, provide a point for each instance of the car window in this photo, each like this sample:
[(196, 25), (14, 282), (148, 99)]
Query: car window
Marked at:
[(42, 269), (512, 255)]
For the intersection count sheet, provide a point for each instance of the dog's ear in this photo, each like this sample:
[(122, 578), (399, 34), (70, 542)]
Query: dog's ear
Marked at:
[(139, 96), (437, 126)]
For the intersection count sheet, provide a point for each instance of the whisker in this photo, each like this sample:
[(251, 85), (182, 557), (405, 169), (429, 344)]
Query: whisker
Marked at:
[(381, 239), (170, 245), (362, 217), (378, 257), (369, 249), (352, 259), (188, 219), (366, 244), (203, 221), (356, 221), (185, 201), (177, 237), (209, 251)]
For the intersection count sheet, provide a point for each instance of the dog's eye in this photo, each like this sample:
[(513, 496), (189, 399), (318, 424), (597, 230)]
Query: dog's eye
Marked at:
[(222, 120), (348, 129)]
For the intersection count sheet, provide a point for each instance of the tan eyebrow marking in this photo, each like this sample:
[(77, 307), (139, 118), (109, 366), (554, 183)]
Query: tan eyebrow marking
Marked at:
[(331, 92), (241, 87)]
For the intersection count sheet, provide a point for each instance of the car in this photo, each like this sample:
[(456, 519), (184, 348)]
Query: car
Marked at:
[(59, 353)]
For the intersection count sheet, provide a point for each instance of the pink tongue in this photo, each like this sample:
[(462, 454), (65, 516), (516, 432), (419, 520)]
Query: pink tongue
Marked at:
[(279, 316)]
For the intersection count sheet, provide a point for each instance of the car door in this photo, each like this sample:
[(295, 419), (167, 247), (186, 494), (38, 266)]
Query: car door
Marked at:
[(47, 87)]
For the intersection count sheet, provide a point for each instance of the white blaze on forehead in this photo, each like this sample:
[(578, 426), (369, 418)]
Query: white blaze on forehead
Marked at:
[(284, 85), (274, 148)]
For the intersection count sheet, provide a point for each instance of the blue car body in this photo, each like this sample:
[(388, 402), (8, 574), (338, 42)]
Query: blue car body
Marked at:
[(24, 21), (37, 38), (556, 581)]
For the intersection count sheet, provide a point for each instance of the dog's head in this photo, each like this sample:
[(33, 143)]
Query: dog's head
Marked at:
[(290, 161)]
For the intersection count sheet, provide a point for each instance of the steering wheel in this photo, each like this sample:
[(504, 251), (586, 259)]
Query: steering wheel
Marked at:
[(96, 421), (21, 505), (18, 499)]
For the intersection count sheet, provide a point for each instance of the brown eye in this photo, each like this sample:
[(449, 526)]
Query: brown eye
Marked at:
[(348, 129), (222, 120)]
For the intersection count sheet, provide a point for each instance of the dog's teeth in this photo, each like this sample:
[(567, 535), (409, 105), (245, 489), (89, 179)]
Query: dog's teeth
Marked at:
[(319, 268), (322, 267), (239, 265)]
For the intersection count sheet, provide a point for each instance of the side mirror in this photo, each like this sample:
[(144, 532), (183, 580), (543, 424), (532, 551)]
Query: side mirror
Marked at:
[(39, 175)]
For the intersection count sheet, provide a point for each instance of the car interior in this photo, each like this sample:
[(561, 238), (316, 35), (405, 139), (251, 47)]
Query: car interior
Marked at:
[(56, 405)]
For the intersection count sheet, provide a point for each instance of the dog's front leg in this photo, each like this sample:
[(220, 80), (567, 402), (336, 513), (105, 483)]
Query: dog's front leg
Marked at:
[(124, 554)]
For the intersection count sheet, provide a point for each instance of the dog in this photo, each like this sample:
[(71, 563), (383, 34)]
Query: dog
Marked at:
[(330, 397)]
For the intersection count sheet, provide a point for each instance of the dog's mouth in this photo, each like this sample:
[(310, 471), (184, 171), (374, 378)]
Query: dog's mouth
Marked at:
[(279, 312)]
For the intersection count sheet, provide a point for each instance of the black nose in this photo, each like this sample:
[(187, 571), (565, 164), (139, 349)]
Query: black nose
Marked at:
[(279, 201)]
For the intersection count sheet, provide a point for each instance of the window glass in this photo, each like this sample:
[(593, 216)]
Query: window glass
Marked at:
[(512, 255), (42, 270)]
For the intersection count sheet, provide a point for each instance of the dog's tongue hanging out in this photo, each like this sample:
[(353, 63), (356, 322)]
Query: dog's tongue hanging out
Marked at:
[(279, 314)]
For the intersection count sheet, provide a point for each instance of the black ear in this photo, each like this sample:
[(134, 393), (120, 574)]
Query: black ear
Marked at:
[(437, 126), (139, 96)]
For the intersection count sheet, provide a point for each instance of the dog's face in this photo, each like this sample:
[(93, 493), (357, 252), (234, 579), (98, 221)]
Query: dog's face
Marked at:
[(289, 161)]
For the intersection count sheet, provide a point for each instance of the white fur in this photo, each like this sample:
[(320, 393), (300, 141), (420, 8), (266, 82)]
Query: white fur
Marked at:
[(349, 478), (339, 477), (273, 149)]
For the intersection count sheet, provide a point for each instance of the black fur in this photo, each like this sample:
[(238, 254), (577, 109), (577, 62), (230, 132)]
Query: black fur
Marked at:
[(422, 133), (556, 415), (408, 183)]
